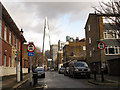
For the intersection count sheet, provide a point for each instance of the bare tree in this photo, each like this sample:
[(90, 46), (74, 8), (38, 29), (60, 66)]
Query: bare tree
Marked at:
[(37, 58), (111, 11)]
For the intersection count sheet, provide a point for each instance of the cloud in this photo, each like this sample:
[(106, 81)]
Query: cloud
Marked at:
[(31, 15), (61, 16)]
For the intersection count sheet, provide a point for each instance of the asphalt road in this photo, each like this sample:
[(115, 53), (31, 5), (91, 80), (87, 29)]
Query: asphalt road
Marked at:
[(55, 80)]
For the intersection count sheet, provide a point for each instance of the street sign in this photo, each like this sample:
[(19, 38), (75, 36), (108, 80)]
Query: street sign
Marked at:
[(30, 53), (31, 47), (101, 45)]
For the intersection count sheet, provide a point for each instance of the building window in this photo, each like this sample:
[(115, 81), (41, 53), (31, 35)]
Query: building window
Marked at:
[(112, 50), (19, 45), (112, 34), (10, 37), (105, 35), (5, 59), (88, 27), (13, 40), (106, 50), (118, 34), (9, 61), (90, 54), (89, 40), (5, 32), (84, 47), (16, 43), (0, 28)]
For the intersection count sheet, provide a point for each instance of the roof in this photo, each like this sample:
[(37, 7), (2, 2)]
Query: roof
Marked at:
[(9, 20)]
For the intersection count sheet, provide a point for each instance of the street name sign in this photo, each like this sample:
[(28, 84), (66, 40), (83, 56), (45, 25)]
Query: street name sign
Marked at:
[(101, 45)]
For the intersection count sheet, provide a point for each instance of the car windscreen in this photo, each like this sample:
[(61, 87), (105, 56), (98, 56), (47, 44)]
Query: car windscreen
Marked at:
[(39, 69), (80, 64), (62, 68)]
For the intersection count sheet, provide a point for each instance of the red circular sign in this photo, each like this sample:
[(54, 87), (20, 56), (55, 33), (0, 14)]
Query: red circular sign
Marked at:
[(31, 47), (101, 45)]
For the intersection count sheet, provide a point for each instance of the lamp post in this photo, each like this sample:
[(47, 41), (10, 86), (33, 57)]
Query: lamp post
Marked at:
[(21, 34)]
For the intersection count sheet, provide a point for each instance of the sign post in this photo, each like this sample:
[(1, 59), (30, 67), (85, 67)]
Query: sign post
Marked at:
[(101, 46), (30, 49)]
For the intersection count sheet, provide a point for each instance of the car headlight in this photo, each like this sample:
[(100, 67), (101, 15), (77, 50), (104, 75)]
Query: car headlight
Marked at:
[(88, 69), (76, 69)]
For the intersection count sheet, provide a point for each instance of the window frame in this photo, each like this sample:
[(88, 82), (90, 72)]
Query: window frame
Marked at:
[(89, 27), (0, 28), (90, 53), (5, 60), (114, 33), (5, 33), (9, 65), (116, 50), (10, 37), (89, 40)]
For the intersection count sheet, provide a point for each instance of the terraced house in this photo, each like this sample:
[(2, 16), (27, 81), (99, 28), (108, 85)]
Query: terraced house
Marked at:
[(10, 43), (98, 29)]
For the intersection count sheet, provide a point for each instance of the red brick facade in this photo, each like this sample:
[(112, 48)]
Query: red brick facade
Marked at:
[(6, 45)]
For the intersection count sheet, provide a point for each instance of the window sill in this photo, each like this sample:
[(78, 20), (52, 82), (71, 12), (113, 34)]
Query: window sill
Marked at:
[(111, 54)]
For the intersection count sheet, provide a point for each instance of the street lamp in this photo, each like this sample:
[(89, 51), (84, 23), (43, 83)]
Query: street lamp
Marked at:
[(21, 35)]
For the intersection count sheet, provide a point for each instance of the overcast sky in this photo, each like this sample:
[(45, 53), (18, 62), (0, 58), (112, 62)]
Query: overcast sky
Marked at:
[(64, 18)]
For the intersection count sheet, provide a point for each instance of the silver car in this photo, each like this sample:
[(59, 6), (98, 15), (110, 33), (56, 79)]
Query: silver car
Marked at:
[(61, 70), (40, 72)]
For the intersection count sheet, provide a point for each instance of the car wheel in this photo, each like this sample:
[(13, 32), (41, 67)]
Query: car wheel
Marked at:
[(43, 75), (69, 75), (73, 75), (88, 76)]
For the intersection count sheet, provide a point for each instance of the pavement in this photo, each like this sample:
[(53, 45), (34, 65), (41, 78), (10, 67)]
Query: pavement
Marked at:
[(109, 80), (9, 82)]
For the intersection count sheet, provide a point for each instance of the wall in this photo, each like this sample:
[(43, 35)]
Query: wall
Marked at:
[(10, 70)]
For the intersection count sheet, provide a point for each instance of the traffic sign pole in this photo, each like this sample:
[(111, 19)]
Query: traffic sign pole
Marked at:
[(101, 46), (30, 49), (31, 81)]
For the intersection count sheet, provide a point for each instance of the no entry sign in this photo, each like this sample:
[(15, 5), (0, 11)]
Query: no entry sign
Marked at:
[(31, 47), (101, 45)]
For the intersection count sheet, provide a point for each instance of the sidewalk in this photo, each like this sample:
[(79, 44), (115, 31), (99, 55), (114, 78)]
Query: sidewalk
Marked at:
[(113, 81), (9, 82)]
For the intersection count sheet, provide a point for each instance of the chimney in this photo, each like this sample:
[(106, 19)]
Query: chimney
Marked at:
[(77, 39)]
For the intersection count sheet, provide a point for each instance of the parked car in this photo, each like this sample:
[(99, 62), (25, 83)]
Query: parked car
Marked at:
[(61, 70), (40, 72), (66, 71), (79, 68), (52, 69)]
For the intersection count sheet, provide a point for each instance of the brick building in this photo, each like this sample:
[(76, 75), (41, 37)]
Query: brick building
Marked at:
[(97, 29), (75, 50), (10, 40), (60, 54), (26, 61)]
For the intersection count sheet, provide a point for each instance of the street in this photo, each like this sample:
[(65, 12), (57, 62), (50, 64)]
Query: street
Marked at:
[(55, 80)]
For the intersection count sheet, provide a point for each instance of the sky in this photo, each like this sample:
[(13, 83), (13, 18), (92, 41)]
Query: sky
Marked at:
[(65, 18)]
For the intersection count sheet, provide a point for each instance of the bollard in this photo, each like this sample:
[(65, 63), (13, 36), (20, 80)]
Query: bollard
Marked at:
[(34, 79), (102, 75), (95, 75)]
